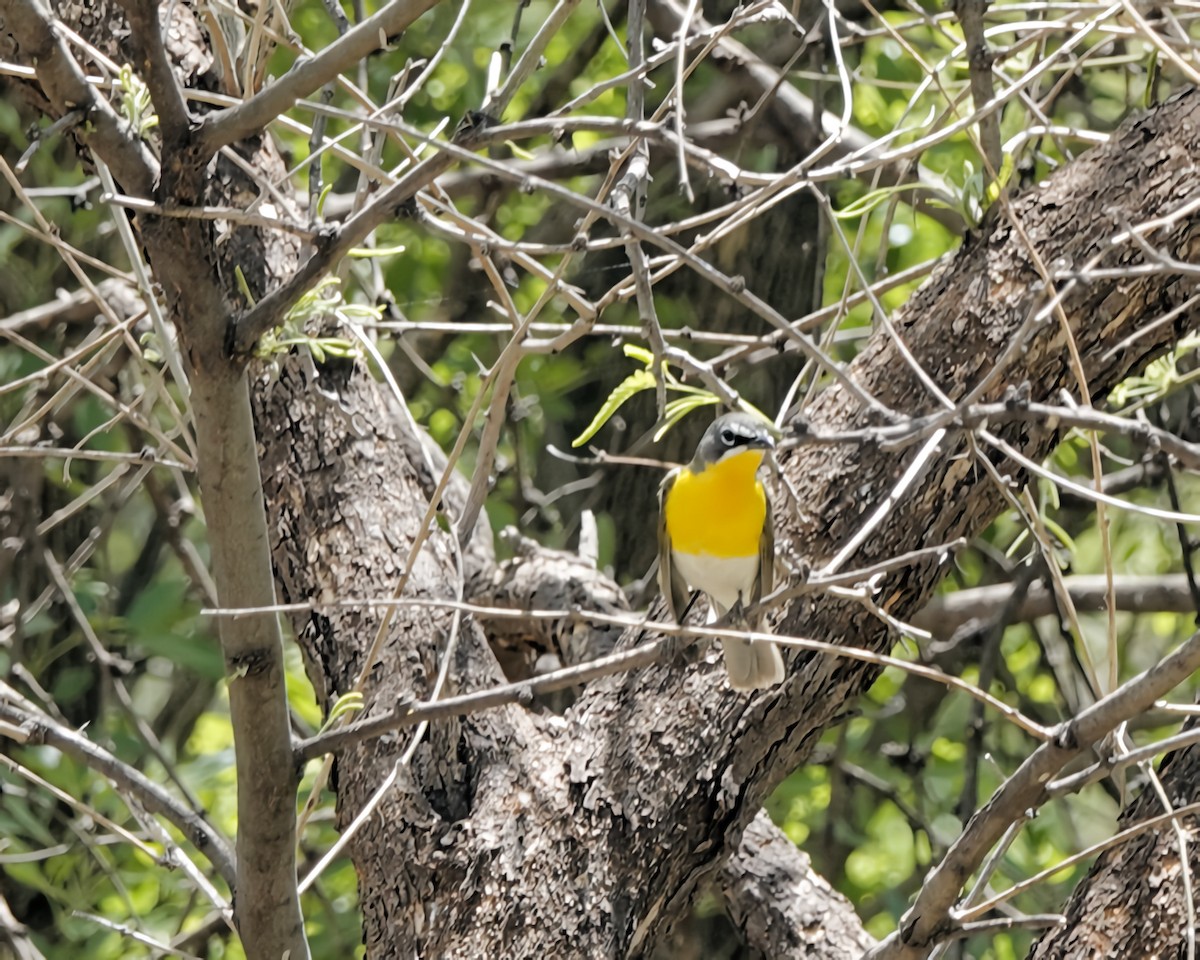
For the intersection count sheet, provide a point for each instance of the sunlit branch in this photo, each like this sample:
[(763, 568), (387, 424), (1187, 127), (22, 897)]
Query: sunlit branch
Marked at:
[(33, 729)]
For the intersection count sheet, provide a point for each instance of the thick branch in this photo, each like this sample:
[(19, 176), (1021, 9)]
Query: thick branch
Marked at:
[(947, 612), (929, 917), (111, 137), (309, 74), (267, 904), (1132, 902), (781, 907)]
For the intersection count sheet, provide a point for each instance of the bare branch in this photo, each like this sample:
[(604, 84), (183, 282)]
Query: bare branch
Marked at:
[(1016, 409), (32, 728), (407, 713), (946, 613), (330, 247), (15, 935), (1033, 921), (629, 193), (146, 33), (109, 135), (228, 214), (929, 918), (979, 58), (269, 311), (1136, 899), (268, 905), (308, 74), (803, 120), (1085, 418), (1108, 843), (528, 62)]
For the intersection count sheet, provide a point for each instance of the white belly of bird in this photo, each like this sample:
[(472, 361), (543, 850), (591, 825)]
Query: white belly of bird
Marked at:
[(722, 578)]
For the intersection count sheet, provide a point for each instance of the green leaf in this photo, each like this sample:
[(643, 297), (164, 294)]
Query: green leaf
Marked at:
[(680, 407), (1148, 98), (678, 387), (1016, 544), (242, 285), (634, 352), (1059, 533), (869, 201), (338, 347), (632, 385), (1002, 178), (519, 152), (328, 188), (347, 703), (368, 253), (677, 407)]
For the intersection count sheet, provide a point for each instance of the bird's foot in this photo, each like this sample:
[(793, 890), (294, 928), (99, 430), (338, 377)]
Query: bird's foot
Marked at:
[(735, 617)]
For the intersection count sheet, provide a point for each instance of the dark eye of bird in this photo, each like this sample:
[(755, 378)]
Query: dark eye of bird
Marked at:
[(728, 438)]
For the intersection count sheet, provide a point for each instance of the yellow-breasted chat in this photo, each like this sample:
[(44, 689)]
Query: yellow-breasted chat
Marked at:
[(715, 534)]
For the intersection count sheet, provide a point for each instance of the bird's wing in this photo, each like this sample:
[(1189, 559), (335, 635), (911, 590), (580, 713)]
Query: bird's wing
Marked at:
[(674, 589), (766, 557)]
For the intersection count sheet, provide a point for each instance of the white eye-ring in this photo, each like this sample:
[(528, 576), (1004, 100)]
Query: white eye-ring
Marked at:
[(728, 437)]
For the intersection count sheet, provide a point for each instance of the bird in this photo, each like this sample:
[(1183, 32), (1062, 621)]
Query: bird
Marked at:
[(715, 534)]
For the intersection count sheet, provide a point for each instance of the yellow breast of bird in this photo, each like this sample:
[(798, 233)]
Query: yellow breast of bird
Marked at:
[(718, 511)]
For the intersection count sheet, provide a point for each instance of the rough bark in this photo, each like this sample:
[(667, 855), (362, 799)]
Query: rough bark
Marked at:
[(516, 834), (345, 504), (538, 578), (783, 909)]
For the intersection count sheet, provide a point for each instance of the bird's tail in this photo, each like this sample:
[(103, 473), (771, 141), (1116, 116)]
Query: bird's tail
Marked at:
[(752, 663)]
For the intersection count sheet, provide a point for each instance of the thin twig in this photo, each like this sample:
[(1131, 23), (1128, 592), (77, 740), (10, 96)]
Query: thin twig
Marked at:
[(408, 713), (925, 922), (306, 75), (34, 728)]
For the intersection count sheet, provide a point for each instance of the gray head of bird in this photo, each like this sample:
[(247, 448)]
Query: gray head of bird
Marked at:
[(730, 435)]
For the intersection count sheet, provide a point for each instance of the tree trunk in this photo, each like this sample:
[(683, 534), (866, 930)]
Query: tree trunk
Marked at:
[(522, 835)]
